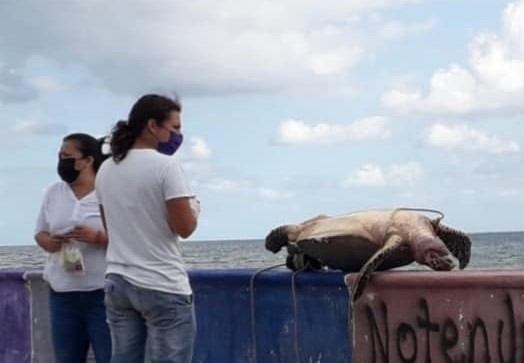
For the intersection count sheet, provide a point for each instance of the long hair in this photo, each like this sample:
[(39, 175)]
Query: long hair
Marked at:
[(125, 133), (88, 146)]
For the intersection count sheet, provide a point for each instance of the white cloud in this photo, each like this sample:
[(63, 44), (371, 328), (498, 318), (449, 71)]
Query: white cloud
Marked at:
[(509, 193), (395, 30), (13, 87), (493, 78), (200, 149), (47, 84), (273, 194), (400, 99), (451, 90), (464, 137), (38, 127), (248, 188), (405, 174), (194, 47), (297, 132), (226, 185), (371, 175), (367, 175)]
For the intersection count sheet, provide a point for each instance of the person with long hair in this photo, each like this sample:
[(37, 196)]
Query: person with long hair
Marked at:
[(147, 204), (70, 229)]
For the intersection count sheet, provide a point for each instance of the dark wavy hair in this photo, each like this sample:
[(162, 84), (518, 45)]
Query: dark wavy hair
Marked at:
[(88, 146), (150, 106)]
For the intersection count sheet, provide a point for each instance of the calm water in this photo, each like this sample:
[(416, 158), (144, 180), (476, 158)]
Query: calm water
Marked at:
[(489, 251)]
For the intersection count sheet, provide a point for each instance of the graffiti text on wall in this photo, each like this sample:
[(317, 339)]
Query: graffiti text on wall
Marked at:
[(456, 339)]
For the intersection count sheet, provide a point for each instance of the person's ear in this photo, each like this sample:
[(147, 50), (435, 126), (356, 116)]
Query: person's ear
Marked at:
[(90, 160), (152, 125)]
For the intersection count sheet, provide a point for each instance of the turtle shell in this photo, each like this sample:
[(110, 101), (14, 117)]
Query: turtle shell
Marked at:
[(350, 252)]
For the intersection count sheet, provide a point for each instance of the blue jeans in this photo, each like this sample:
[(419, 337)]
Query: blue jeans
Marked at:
[(78, 318), (135, 314)]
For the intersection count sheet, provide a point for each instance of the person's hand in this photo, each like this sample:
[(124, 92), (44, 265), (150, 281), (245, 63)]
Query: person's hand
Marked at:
[(83, 233), (55, 241)]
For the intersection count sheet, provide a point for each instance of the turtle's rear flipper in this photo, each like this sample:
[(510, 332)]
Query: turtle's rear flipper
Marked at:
[(277, 238), (393, 243), (299, 261)]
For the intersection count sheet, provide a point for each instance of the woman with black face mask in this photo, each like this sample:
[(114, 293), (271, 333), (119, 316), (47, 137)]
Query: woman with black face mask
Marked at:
[(70, 229)]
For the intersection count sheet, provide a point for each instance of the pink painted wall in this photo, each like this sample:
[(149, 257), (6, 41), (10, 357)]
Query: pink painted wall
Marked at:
[(428, 316)]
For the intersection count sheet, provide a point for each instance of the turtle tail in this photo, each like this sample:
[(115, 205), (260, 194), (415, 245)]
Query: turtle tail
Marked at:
[(457, 242), (276, 239), (393, 242)]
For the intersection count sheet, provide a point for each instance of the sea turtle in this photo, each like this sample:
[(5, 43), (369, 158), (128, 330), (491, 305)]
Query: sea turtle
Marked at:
[(370, 240)]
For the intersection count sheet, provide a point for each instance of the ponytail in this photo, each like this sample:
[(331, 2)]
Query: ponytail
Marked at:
[(125, 133), (122, 139)]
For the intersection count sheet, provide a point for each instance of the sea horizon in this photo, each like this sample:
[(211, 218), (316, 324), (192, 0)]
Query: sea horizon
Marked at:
[(255, 239)]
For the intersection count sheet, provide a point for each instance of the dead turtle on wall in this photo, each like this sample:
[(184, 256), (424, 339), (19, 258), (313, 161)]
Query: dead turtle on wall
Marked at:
[(371, 240)]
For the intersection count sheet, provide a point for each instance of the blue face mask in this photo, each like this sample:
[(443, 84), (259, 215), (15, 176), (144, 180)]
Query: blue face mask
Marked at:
[(170, 146)]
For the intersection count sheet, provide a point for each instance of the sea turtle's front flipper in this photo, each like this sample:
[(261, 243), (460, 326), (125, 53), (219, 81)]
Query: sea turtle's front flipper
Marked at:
[(393, 242)]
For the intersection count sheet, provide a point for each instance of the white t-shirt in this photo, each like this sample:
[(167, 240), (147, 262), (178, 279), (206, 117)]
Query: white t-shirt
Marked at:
[(142, 248), (62, 210)]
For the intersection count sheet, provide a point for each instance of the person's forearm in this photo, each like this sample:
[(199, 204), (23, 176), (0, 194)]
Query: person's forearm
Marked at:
[(101, 239), (42, 239)]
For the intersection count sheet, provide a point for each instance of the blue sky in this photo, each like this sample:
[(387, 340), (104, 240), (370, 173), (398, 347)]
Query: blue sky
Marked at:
[(291, 108)]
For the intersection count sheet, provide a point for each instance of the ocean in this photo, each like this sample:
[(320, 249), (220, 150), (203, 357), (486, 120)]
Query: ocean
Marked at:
[(501, 250)]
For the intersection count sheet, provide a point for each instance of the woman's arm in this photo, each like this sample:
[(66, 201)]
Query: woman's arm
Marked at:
[(180, 216), (50, 242), (88, 234)]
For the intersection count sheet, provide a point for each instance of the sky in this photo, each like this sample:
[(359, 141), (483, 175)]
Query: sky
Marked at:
[(291, 108)]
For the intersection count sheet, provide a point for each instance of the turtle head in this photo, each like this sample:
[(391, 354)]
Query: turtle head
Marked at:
[(432, 252), (456, 241), (276, 239)]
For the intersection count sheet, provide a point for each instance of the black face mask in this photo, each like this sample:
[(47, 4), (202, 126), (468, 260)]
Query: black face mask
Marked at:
[(67, 171)]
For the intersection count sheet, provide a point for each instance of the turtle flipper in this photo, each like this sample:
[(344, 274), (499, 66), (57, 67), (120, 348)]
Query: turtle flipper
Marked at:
[(393, 242), (297, 260)]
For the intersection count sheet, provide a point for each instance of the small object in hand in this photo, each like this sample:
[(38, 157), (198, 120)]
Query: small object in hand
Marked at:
[(72, 259)]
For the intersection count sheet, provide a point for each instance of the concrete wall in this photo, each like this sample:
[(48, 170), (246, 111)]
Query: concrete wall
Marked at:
[(311, 327), (15, 332), (40, 328), (467, 316), (320, 332), (403, 316)]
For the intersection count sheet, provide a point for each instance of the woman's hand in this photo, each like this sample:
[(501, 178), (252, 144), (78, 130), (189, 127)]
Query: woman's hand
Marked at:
[(83, 233), (51, 242), (55, 242)]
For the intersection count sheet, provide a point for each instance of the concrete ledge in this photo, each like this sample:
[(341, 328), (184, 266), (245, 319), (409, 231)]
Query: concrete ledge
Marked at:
[(313, 327), (14, 318), (235, 323), (403, 316), (429, 316)]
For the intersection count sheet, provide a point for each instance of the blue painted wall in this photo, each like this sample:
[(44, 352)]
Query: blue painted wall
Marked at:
[(224, 317)]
